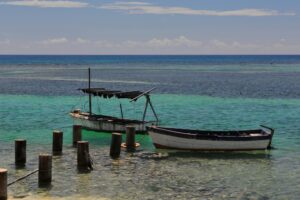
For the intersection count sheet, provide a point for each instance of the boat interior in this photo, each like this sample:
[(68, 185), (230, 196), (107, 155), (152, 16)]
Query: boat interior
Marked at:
[(113, 119)]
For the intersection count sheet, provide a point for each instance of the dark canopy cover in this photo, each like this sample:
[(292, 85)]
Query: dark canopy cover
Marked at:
[(102, 92)]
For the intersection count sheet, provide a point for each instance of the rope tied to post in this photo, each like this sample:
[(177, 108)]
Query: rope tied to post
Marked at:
[(89, 160), (23, 177)]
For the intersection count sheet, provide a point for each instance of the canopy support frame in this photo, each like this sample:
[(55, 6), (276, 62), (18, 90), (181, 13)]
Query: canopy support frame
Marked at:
[(90, 95), (148, 101)]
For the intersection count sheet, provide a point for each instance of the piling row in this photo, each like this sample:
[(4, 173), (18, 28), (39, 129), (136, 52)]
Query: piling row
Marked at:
[(83, 157)]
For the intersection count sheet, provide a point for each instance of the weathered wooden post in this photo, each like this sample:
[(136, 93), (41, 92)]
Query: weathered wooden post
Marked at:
[(83, 159), (77, 134), (130, 138), (115, 147), (45, 169), (3, 184), (20, 152), (57, 144)]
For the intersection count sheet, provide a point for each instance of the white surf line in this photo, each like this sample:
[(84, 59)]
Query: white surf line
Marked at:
[(82, 80)]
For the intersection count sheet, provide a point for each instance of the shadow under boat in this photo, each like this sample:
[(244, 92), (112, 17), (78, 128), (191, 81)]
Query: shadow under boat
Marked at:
[(216, 155)]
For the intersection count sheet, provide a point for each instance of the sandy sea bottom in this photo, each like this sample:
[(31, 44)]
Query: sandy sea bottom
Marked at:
[(148, 173)]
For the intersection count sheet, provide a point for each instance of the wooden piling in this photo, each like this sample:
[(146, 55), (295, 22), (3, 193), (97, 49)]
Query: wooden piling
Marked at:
[(3, 184), (57, 144), (115, 147), (77, 134), (20, 152), (83, 160), (45, 169), (130, 138)]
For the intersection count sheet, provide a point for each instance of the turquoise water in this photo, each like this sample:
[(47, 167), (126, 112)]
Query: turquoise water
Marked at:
[(273, 174), (199, 92)]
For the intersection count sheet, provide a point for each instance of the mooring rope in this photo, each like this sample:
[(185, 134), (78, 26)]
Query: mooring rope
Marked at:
[(23, 177), (89, 160)]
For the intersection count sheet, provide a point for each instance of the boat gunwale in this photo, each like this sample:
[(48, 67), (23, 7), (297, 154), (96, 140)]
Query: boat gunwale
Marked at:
[(117, 131), (107, 118), (159, 146), (211, 135)]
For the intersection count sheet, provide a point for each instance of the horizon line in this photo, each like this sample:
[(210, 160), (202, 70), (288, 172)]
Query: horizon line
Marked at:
[(150, 54)]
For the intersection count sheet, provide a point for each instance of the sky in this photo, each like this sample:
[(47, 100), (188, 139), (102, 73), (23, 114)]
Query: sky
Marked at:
[(150, 27)]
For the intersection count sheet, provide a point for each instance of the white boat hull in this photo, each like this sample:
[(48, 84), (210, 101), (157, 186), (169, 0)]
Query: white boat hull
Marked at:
[(104, 125), (162, 141)]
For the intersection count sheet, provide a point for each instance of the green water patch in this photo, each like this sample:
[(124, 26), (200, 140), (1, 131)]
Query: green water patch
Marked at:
[(35, 117), (272, 174)]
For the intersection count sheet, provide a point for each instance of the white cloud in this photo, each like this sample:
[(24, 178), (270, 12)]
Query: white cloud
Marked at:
[(146, 8), (82, 41), (175, 42), (132, 3), (281, 43), (235, 45), (135, 7), (47, 3), (106, 44), (160, 42), (282, 40), (166, 44), (55, 41), (218, 43), (4, 42), (180, 41), (156, 45)]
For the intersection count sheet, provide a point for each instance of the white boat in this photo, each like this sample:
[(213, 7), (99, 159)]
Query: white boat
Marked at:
[(105, 123), (201, 140)]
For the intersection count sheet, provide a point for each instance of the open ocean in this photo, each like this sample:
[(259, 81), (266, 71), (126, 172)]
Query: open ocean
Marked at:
[(200, 92)]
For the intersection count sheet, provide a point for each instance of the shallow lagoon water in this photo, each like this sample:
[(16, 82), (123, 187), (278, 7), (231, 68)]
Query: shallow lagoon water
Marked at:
[(199, 92), (270, 174)]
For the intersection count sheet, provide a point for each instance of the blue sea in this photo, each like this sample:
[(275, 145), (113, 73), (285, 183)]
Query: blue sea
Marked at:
[(199, 92)]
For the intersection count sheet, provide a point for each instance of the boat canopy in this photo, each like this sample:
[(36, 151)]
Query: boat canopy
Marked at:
[(102, 92)]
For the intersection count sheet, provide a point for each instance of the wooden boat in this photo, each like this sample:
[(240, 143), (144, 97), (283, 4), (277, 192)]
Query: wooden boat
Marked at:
[(185, 139), (105, 123)]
